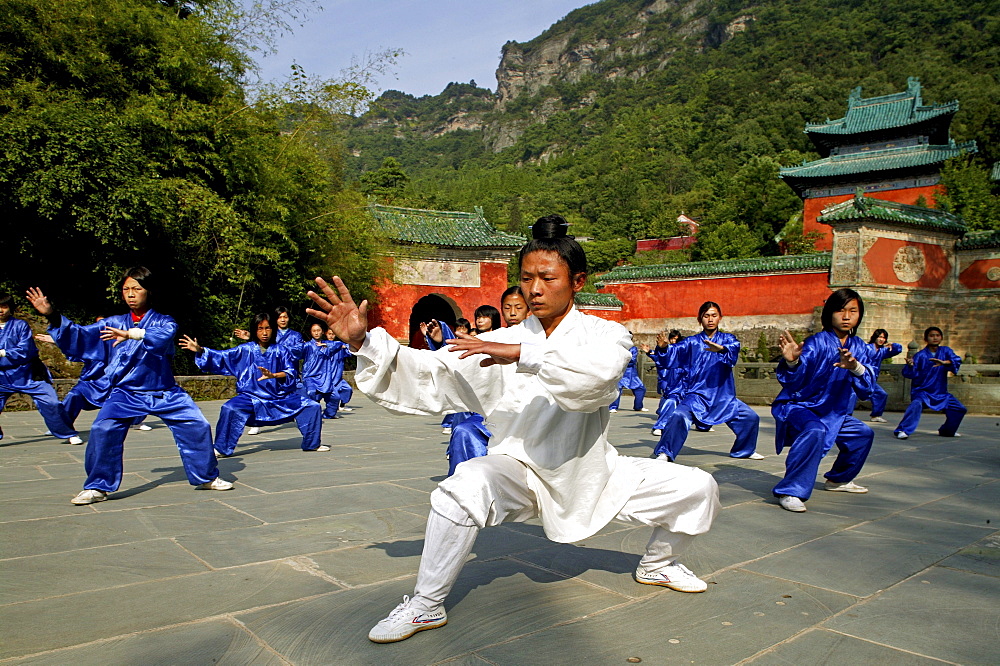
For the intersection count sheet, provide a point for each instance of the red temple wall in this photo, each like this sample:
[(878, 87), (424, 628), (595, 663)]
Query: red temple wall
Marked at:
[(974, 276), (396, 301), (879, 260), (812, 208), (795, 293)]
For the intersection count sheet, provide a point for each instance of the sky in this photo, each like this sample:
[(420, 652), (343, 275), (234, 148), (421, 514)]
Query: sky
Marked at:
[(444, 40)]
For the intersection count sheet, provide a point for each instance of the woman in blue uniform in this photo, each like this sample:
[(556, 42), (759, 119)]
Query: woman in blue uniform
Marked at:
[(265, 388), (821, 380), (929, 370), (669, 377), (631, 380), (20, 372), (709, 390), (879, 350), (142, 382)]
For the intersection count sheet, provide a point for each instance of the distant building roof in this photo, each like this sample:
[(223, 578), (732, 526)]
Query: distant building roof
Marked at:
[(978, 240), (885, 112), (793, 263), (597, 300), (889, 159), (869, 208), (441, 228)]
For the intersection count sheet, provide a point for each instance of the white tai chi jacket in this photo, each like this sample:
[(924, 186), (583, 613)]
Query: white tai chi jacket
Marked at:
[(549, 410)]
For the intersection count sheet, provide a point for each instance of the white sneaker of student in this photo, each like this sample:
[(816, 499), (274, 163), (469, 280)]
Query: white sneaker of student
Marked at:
[(253, 431), (613, 411), (900, 435), (445, 431), (848, 487), (320, 448), (877, 419), (676, 576), (405, 621), (218, 483), (791, 503), (75, 440), (755, 456), (347, 409), (644, 409), (663, 456), (141, 426), (89, 497), (657, 432)]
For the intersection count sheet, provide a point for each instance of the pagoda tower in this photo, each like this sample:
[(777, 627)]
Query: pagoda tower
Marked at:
[(891, 147)]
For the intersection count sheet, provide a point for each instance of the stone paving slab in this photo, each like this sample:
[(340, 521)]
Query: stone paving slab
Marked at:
[(309, 550)]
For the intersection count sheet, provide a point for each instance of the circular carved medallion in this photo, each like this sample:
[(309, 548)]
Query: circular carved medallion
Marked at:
[(908, 264), (993, 274)]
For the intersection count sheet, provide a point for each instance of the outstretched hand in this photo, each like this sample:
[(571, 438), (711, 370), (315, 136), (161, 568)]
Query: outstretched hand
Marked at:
[(40, 301), (191, 344), (241, 334), (43, 337), (267, 374), (940, 361), (847, 360), (496, 352), (714, 347), (790, 349), (348, 321), (112, 333)]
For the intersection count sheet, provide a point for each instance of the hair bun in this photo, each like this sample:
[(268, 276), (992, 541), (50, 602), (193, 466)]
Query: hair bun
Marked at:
[(550, 226)]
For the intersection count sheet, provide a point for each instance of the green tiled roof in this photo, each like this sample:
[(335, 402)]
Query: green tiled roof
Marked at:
[(793, 263), (885, 112), (869, 208), (979, 239), (441, 228), (878, 160), (597, 300)]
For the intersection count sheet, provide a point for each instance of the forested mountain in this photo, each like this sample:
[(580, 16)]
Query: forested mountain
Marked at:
[(628, 112)]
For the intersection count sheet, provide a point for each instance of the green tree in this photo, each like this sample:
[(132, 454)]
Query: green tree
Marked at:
[(387, 183), (969, 193), (729, 240), (127, 138)]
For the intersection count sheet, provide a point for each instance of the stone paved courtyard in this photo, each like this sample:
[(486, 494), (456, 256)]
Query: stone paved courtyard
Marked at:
[(311, 549)]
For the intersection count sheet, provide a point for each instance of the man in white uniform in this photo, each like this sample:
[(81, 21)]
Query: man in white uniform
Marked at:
[(544, 386)]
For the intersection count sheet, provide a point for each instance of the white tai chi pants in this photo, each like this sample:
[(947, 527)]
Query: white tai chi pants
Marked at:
[(678, 501)]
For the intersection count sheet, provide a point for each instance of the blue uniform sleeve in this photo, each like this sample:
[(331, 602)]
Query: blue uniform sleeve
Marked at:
[(83, 342), (219, 361), (956, 360), (731, 353), (159, 340), (19, 346)]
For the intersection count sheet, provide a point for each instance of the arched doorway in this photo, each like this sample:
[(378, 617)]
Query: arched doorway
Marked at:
[(432, 306)]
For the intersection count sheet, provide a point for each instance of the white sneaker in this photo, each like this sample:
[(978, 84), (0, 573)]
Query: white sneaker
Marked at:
[(75, 440), (642, 410), (900, 435), (253, 431), (663, 456), (791, 503), (89, 497), (613, 411), (218, 483), (445, 431), (877, 419), (141, 426), (321, 447), (676, 576), (347, 409), (755, 456), (405, 621), (657, 432), (849, 487)]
